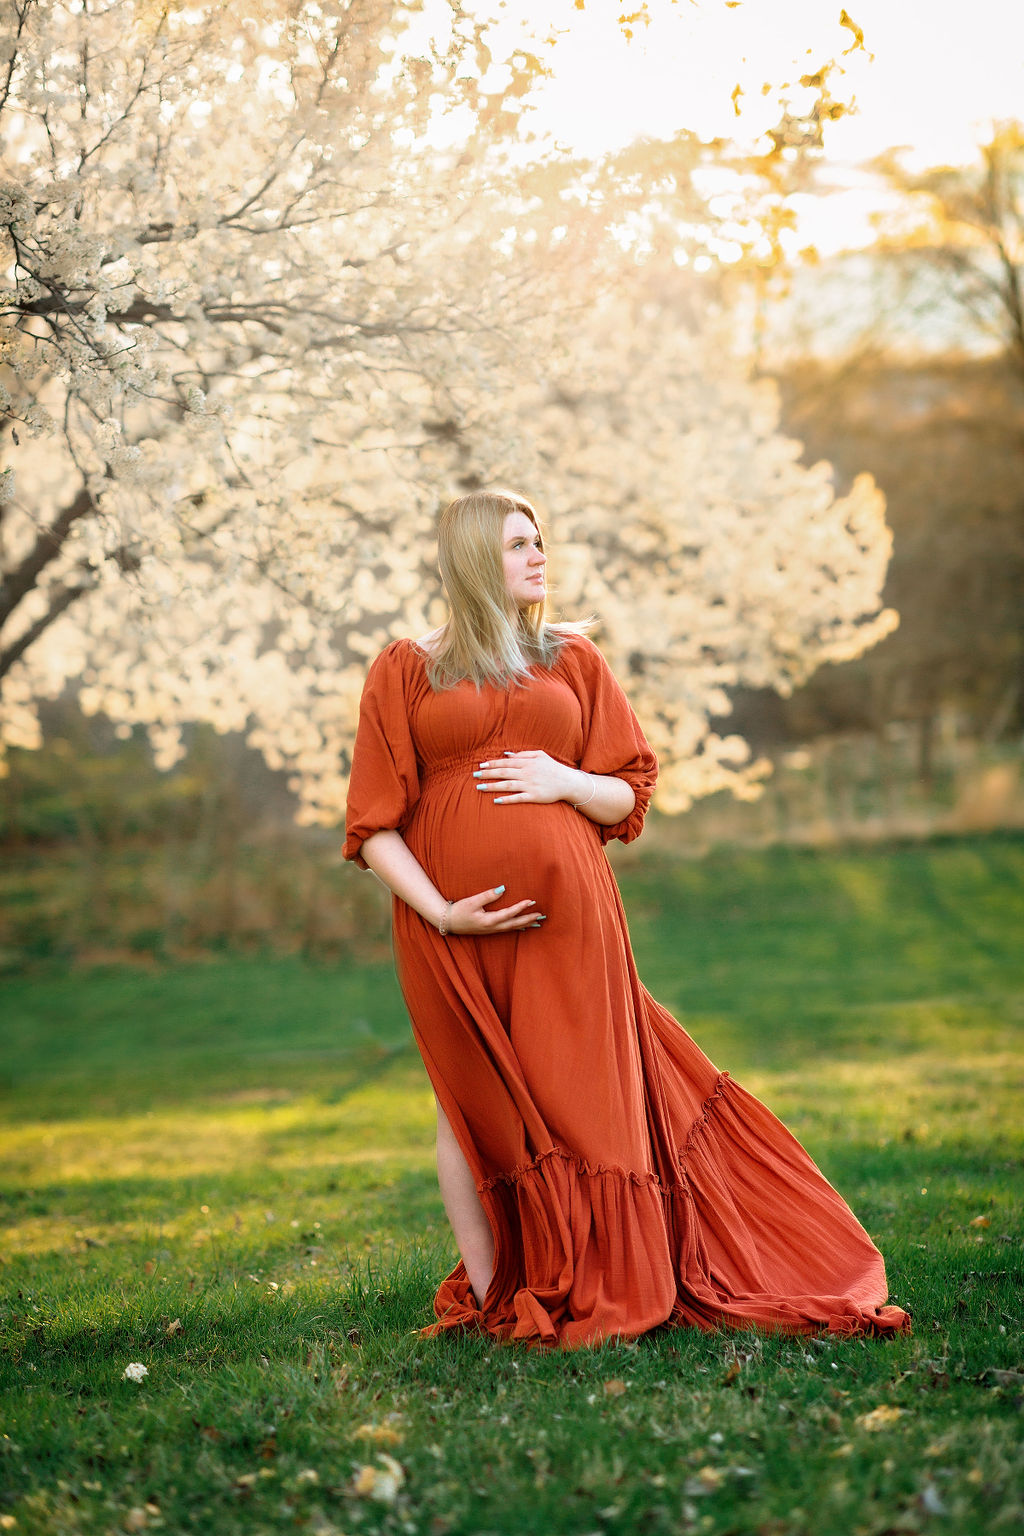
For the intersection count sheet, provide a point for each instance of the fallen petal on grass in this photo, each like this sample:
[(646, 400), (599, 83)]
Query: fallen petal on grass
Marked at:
[(382, 1483), (930, 1501)]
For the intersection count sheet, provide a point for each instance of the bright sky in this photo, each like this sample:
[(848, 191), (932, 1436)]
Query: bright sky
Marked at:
[(942, 70)]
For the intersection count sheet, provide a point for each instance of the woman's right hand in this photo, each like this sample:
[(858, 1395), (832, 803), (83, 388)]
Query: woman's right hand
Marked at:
[(470, 915)]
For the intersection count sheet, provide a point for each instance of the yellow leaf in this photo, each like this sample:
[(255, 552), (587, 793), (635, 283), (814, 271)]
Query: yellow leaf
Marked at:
[(980, 1221), (858, 36), (614, 1388), (880, 1417), (710, 1477), (380, 1434)]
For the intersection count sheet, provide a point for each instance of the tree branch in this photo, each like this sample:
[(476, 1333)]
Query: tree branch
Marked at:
[(21, 11), (61, 600), (48, 545)]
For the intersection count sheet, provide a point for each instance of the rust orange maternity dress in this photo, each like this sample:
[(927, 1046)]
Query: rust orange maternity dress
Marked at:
[(628, 1182)]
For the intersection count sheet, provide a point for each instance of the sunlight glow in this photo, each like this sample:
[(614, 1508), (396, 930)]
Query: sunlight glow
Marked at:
[(931, 77)]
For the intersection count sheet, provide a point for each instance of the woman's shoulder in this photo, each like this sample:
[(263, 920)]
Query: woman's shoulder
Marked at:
[(576, 646), (397, 658), (427, 643), (403, 645)]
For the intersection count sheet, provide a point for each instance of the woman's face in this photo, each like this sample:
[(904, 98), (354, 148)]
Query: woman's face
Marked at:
[(523, 558)]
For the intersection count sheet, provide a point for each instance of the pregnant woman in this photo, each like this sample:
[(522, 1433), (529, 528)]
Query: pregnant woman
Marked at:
[(601, 1176)]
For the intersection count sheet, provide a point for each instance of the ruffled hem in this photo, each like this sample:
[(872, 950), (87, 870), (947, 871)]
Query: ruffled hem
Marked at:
[(585, 1169), (751, 1236)]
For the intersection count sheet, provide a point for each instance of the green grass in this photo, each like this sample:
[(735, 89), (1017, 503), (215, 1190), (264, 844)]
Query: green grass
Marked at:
[(224, 1170)]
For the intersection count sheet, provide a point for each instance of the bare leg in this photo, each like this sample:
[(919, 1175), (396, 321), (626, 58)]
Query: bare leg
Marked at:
[(462, 1204)]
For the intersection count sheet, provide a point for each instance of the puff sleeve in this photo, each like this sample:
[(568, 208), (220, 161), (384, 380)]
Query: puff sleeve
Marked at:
[(384, 784), (613, 741)]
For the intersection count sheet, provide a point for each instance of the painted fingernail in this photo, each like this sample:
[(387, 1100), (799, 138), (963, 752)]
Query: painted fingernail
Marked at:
[(498, 890), (476, 773)]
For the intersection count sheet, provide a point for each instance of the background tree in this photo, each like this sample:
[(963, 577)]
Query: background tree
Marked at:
[(222, 250), (905, 359), (256, 327), (969, 222)]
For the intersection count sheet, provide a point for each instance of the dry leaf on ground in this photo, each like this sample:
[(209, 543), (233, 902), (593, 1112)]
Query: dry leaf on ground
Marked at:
[(880, 1417), (380, 1434), (706, 1480)]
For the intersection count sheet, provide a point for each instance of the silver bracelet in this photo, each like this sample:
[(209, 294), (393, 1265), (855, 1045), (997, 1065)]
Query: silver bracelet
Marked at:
[(593, 792), (442, 926)]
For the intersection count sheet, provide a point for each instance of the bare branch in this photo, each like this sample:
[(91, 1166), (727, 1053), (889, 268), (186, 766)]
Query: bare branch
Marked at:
[(22, 12)]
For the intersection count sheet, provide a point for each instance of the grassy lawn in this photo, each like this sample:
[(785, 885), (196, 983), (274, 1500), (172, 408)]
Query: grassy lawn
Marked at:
[(223, 1171)]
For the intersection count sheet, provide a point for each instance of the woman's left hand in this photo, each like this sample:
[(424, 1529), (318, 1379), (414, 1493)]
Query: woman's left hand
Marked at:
[(528, 777)]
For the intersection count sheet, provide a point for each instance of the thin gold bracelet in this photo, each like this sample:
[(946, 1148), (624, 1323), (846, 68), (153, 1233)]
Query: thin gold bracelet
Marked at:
[(442, 926), (593, 792)]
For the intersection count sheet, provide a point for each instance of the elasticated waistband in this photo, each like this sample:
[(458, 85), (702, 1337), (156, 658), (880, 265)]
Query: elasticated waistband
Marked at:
[(464, 762)]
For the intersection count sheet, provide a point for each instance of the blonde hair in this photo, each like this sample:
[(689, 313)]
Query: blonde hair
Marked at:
[(487, 637)]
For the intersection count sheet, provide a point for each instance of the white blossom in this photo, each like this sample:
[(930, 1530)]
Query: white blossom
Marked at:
[(254, 332)]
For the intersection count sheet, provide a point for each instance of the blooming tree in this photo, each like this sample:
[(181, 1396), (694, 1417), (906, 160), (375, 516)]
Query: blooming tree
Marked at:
[(256, 326), (684, 520)]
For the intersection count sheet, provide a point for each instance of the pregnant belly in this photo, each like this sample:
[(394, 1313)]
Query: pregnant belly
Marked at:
[(467, 843)]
